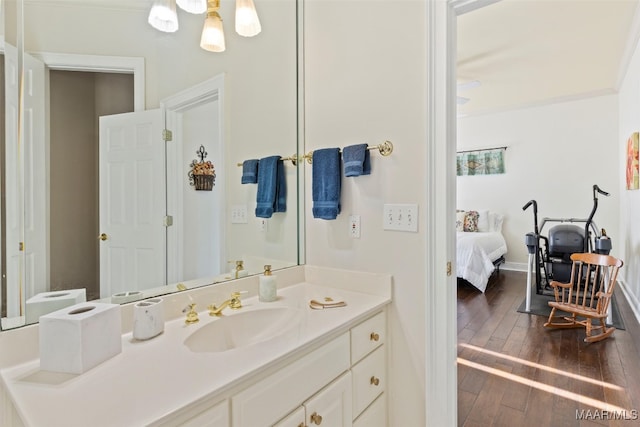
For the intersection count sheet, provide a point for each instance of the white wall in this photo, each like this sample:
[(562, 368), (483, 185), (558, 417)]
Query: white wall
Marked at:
[(556, 154), (201, 210), (629, 122), (366, 82)]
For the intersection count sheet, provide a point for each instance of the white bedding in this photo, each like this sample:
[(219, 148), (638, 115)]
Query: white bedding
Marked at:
[(475, 255)]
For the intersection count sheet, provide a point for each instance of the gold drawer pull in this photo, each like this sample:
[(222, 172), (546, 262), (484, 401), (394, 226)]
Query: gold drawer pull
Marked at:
[(375, 381), (374, 336), (302, 425), (316, 419)]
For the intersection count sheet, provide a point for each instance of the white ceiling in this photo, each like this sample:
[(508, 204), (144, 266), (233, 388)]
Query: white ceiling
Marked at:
[(532, 52)]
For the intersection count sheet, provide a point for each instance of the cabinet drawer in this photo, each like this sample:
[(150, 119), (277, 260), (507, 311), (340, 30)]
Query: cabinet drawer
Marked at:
[(375, 415), (216, 416), (267, 401), (367, 336), (294, 419), (369, 380)]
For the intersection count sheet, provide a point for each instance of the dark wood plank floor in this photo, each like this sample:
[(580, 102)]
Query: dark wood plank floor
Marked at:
[(514, 372)]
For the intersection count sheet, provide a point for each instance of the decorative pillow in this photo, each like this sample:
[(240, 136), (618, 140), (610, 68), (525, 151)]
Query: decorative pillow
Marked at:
[(460, 220), (471, 221), (483, 220)]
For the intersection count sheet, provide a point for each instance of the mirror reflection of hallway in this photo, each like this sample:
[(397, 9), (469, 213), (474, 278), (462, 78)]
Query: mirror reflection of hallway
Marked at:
[(77, 100)]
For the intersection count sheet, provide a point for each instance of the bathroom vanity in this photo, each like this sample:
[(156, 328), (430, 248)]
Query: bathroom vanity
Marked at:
[(280, 363)]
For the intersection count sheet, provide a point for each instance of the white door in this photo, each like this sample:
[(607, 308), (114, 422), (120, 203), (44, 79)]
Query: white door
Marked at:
[(132, 202), (26, 173), (36, 178), (13, 187)]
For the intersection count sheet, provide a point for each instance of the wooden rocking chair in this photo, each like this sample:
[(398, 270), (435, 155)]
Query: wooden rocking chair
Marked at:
[(587, 296)]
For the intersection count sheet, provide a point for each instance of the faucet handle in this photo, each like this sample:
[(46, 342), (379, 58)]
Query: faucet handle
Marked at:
[(192, 315), (235, 302)]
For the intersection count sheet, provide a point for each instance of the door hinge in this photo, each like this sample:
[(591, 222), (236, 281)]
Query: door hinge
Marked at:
[(448, 268), (167, 135), (21, 246), (168, 221)]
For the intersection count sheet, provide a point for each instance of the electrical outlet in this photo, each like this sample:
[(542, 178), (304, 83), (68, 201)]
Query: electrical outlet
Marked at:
[(354, 226), (263, 225), (400, 217), (239, 214)]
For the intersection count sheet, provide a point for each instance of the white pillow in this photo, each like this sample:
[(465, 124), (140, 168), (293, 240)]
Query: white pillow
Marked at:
[(495, 222), (460, 220), (483, 221)]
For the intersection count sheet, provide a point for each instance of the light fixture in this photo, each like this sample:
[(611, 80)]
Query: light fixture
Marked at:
[(163, 16), (193, 6), (212, 34), (247, 22)]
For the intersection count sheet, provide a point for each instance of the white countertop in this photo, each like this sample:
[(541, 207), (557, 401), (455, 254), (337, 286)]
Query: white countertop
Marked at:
[(152, 379)]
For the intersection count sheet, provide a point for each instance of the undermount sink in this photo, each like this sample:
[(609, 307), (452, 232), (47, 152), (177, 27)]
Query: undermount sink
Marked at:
[(243, 328)]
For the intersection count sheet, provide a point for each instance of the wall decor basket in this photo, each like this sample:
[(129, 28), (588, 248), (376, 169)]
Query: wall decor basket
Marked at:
[(202, 174), (204, 182)]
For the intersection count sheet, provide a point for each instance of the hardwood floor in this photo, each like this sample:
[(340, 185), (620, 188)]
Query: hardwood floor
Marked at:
[(514, 372)]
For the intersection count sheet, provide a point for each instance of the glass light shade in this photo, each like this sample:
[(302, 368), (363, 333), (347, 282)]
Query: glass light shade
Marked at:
[(247, 22), (163, 16), (212, 33), (193, 6)]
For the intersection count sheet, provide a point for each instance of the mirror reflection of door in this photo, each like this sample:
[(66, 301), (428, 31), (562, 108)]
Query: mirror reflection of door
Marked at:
[(12, 303), (132, 202)]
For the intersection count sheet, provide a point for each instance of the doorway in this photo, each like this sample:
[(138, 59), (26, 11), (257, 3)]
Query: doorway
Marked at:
[(76, 101)]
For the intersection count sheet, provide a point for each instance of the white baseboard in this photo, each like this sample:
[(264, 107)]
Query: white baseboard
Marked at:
[(633, 300), (514, 266)]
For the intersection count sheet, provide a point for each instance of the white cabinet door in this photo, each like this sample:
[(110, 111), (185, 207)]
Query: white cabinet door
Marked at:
[(332, 405)]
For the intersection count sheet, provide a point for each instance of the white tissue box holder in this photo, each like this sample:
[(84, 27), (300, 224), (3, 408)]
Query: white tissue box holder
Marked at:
[(47, 302), (77, 338)]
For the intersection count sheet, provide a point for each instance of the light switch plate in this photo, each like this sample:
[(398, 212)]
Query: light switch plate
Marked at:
[(239, 214), (400, 217)]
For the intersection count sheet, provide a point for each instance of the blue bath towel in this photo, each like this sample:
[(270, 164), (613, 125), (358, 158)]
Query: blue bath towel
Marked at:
[(272, 191), (325, 183), (250, 171), (356, 160)]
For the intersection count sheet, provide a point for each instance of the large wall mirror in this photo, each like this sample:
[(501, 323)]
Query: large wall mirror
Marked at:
[(98, 199)]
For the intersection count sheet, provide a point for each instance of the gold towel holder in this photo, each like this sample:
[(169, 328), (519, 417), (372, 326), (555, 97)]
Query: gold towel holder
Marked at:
[(385, 148)]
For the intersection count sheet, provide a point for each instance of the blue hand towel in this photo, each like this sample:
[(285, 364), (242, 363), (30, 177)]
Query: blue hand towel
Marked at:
[(357, 160), (325, 183), (250, 171), (280, 204), (271, 194)]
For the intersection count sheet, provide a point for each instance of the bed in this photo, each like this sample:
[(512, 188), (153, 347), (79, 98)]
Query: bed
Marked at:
[(480, 247)]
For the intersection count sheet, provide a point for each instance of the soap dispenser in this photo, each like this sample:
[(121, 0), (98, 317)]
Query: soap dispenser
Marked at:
[(239, 270), (268, 287)]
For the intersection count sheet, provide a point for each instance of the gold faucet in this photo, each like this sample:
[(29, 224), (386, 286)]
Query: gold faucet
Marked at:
[(239, 268), (234, 303)]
